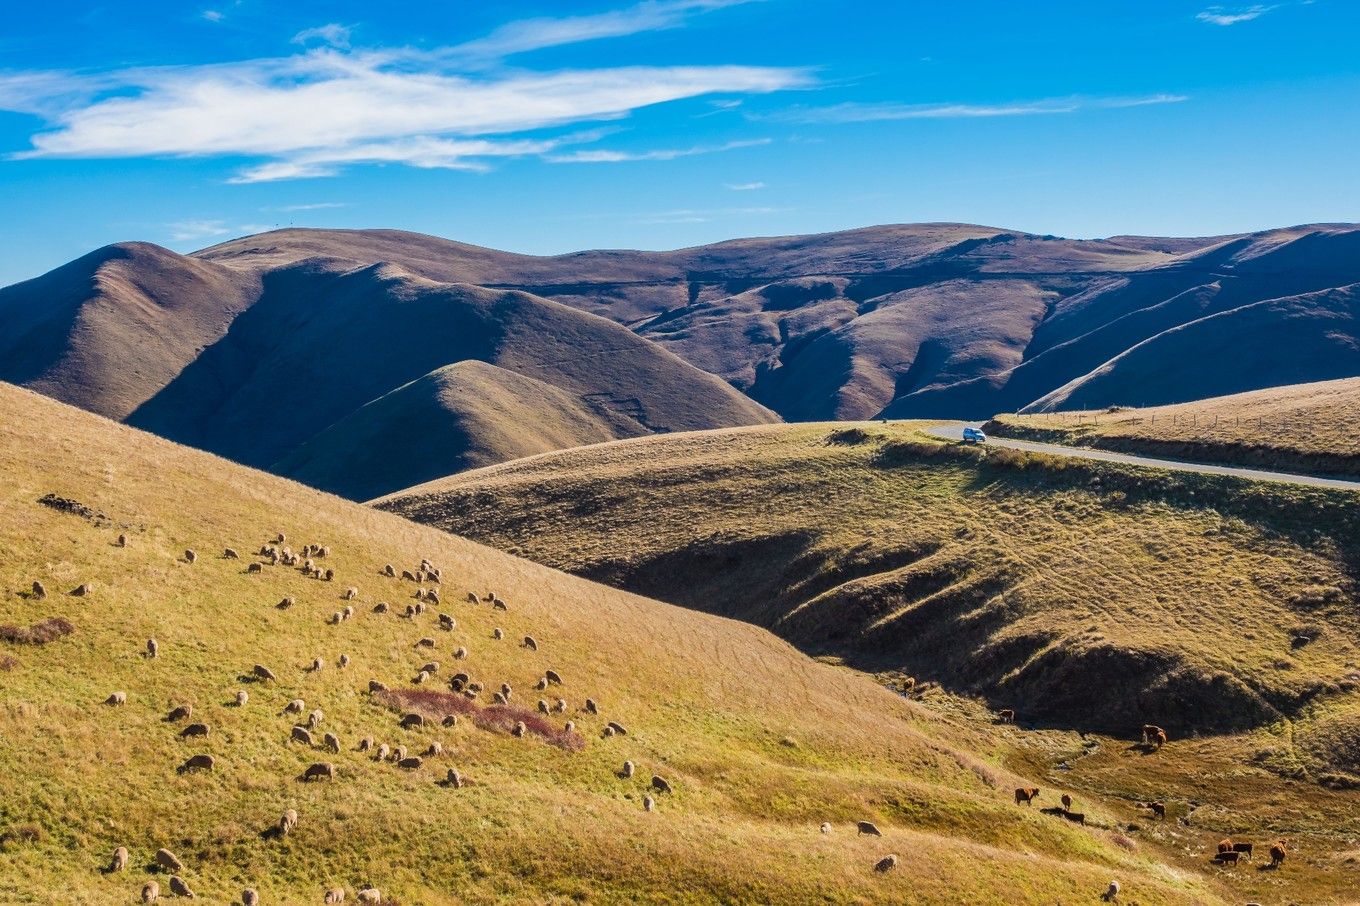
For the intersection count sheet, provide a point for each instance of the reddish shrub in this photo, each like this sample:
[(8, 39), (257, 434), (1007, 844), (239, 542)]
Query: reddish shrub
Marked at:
[(434, 704), (8, 662), (40, 633)]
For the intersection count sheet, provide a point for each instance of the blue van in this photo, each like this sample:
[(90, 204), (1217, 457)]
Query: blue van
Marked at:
[(974, 436)]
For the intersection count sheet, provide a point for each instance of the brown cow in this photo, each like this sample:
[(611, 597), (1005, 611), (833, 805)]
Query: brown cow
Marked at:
[(1067, 802), (1277, 854), (1150, 731), (1225, 845), (1158, 808), (1159, 738), (1026, 794), (1007, 715)]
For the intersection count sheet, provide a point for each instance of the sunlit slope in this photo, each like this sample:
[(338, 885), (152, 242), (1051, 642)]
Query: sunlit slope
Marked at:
[(758, 743)]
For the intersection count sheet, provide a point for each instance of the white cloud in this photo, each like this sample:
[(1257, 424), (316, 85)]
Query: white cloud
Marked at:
[(212, 15), (866, 113), (332, 34), (536, 34), (744, 186), (686, 215), (1222, 15), (189, 230), (318, 206), (313, 113), (602, 156)]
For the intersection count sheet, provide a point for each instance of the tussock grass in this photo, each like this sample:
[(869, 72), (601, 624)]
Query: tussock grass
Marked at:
[(706, 702)]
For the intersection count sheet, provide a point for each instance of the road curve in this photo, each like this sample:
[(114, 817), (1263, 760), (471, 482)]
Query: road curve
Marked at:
[(954, 431)]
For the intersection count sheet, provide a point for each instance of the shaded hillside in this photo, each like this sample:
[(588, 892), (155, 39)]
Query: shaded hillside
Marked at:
[(1085, 594), (758, 743), (1298, 427)]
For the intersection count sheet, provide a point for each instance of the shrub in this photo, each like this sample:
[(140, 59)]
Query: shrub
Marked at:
[(435, 704), (1123, 842), (40, 633), (848, 437), (8, 662)]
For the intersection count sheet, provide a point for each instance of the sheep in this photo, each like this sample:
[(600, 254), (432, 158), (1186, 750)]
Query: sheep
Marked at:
[(308, 565), (1026, 794), (826, 827), (617, 728), (153, 648), (328, 576), (1150, 732), (454, 779), (660, 784), (375, 686), (436, 749), (249, 897), (1111, 892), (431, 668), (117, 698), (472, 598), (324, 551), (179, 888), (380, 607), (241, 698), (317, 664), (369, 895), (122, 541), (255, 568), (296, 706), (426, 642), (194, 730), (591, 707), (230, 554), (411, 720), (519, 730), (1278, 853), (336, 618), (280, 538), (314, 719), (499, 698), (120, 859), (450, 720), (151, 891), (366, 744), (351, 593), (418, 607), (498, 604), (420, 677), (39, 590), (331, 742), (347, 612), (560, 706), (628, 769), (460, 653), (887, 863), (302, 735), (381, 753), (167, 860), (868, 827), (1159, 738), (335, 895), (410, 611), (529, 643), (197, 763), (447, 623), (343, 662), (82, 589), (263, 672), (322, 769), (287, 821), (569, 727), (1006, 715), (408, 576), (607, 732), (387, 570), (399, 753), (553, 677), (542, 706), (498, 633), (648, 804), (410, 763)]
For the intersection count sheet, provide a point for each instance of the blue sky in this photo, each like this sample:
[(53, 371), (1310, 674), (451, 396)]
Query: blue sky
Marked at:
[(552, 126)]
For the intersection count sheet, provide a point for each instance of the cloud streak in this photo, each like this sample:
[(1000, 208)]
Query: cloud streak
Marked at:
[(605, 156), (869, 113), (1222, 15)]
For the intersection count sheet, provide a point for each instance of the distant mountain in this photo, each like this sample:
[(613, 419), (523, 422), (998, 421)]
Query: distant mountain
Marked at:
[(285, 349)]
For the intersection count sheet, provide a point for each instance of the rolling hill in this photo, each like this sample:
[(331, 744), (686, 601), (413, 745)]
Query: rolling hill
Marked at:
[(1298, 427), (757, 743)]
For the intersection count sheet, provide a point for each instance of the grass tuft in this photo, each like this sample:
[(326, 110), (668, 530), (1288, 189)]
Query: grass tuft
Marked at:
[(40, 633)]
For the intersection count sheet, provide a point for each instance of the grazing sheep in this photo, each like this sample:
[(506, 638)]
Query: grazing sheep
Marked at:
[(344, 661), (230, 554), (387, 570), (117, 698), (607, 732), (302, 735), (1111, 892), (296, 706), (529, 643), (887, 863), (332, 742), (1066, 802), (366, 744), (868, 827), (826, 827), (1278, 853), (591, 707), (628, 770), (407, 575), (399, 753), (197, 763), (1007, 715), (450, 720), (436, 749), (542, 706), (336, 618), (263, 672), (120, 859), (287, 822), (432, 667), (351, 594), (426, 642), (328, 576), (446, 622), (560, 706), (520, 729), (280, 538), (380, 607), (499, 698), (648, 804), (314, 719), (617, 728), (82, 589), (368, 895), (660, 784), (335, 895), (498, 633), (381, 753), (460, 654), (541, 684), (375, 686), (255, 568), (319, 770), (552, 677), (249, 897), (122, 541), (454, 779), (241, 698), (472, 598), (179, 888), (167, 860), (347, 612), (285, 604), (410, 763), (498, 604), (410, 611), (317, 664), (418, 607), (39, 590), (411, 720), (420, 677), (569, 727), (190, 556), (153, 648), (151, 891), (1026, 794), (1159, 738), (194, 730)]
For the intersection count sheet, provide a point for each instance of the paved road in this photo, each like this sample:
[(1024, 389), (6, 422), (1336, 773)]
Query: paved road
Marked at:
[(954, 431)]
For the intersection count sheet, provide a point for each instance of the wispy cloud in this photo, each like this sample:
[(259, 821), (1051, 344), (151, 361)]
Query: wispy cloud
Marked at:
[(866, 113), (318, 206), (1224, 15), (604, 156), (332, 35), (688, 215), (323, 109), (191, 230), (212, 15), (537, 34), (744, 186)]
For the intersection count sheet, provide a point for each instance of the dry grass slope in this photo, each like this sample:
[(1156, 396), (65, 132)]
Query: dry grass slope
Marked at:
[(759, 743)]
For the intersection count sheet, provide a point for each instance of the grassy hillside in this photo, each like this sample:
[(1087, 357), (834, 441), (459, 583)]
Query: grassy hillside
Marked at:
[(1299, 427), (759, 743)]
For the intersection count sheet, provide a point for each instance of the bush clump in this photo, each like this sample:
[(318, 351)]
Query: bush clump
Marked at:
[(40, 633)]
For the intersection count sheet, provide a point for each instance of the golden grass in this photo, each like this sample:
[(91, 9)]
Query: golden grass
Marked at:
[(1304, 427), (760, 742)]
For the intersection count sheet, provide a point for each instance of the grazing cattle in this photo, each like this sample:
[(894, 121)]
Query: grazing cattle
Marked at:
[(1075, 817), (120, 859), (318, 771), (1026, 794), (1007, 715), (868, 827), (1225, 846), (1277, 854), (197, 763), (1158, 808), (1245, 849), (1159, 738), (1150, 731), (167, 860), (1227, 858), (1066, 801), (887, 863)]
